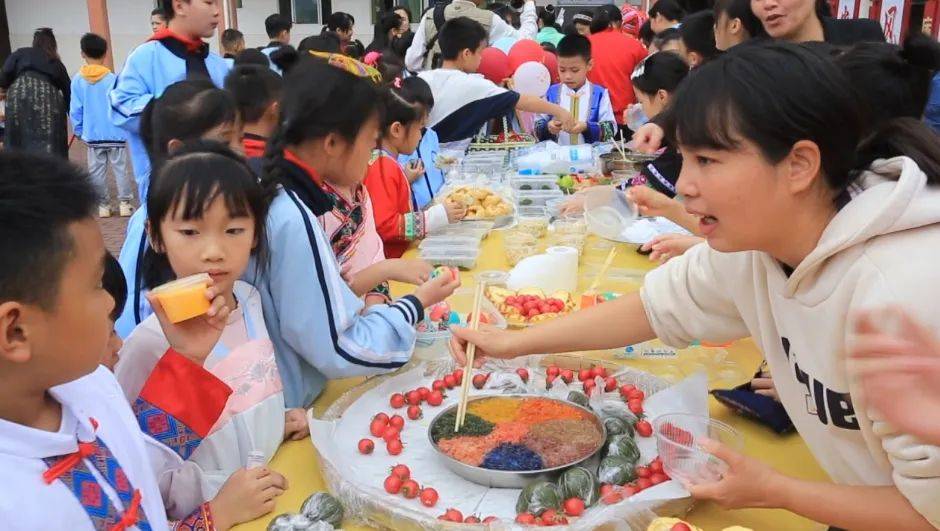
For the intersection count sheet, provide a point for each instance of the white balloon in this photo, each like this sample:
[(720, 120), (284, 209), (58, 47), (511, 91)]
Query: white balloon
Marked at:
[(532, 78)]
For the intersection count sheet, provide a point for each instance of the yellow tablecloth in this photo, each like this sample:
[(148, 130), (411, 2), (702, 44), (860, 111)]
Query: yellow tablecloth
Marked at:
[(298, 461)]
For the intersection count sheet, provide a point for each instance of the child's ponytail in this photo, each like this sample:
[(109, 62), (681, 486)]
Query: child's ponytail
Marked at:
[(906, 137), (406, 101)]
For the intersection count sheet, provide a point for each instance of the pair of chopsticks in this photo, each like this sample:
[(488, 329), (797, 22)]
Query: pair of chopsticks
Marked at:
[(471, 351), (603, 272), (621, 147)]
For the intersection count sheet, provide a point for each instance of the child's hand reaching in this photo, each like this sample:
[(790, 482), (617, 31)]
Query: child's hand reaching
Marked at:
[(455, 211), (652, 203), (196, 337), (666, 246), (648, 138), (415, 272), (577, 128), (295, 425), (437, 289), (246, 495), (413, 170), (554, 127)]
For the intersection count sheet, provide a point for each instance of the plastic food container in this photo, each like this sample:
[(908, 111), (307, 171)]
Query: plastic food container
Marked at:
[(608, 212), (531, 184), (537, 197), (518, 244), (448, 241), (536, 225), (453, 256), (570, 226), (184, 298), (677, 440), (575, 241)]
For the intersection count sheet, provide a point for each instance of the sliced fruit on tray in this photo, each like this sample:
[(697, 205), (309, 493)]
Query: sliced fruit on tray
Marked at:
[(530, 305)]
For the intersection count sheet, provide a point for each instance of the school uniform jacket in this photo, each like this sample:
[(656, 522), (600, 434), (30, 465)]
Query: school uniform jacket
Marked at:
[(152, 67), (317, 324)]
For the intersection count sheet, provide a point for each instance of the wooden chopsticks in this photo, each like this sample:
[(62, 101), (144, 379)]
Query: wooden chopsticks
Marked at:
[(471, 351)]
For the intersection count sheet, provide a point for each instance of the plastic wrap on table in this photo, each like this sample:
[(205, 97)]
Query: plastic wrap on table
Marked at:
[(371, 505)]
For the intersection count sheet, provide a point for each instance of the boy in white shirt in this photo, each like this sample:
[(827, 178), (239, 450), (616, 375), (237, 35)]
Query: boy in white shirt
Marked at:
[(588, 103), (464, 100), (71, 452)]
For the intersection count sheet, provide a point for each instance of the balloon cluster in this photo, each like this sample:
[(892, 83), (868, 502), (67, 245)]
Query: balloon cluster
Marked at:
[(531, 68)]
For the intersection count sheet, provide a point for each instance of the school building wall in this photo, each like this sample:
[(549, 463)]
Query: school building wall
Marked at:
[(129, 22)]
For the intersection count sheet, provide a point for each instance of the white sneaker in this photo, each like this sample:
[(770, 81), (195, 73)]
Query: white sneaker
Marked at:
[(126, 209), (104, 211)]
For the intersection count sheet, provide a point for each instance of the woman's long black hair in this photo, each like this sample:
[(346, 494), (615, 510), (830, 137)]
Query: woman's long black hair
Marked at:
[(775, 94), (604, 17)]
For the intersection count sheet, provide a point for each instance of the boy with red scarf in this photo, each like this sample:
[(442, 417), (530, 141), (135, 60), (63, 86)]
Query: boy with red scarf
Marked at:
[(172, 54)]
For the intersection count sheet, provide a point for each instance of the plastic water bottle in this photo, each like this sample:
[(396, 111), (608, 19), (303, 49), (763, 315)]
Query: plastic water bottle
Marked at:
[(636, 117)]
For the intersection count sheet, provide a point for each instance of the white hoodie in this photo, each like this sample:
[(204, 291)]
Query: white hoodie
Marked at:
[(882, 248)]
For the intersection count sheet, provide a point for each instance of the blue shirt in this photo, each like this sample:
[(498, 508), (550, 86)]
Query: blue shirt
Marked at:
[(89, 111), (932, 111), (425, 186)]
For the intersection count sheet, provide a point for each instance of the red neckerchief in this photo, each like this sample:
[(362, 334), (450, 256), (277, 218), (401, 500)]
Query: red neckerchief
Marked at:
[(293, 158), (192, 45), (254, 145)]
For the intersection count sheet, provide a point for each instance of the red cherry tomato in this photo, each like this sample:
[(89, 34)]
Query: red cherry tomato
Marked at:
[(643, 472), (584, 375), (625, 390), (630, 490), (458, 375), (423, 392), (394, 447), (453, 515), (567, 375), (523, 373), (391, 433), (680, 526), (598, 371), (552, 371), (644, 428), (397, 401), (636, 406), (636, 394), (393, 484), (428, 497), (450, 381), (413, 398), (644, 483), (366, 446), (525, 519), (490, 519), (435, 398), (414, 412), (377, 427), (610, 384), (479, 380), (438, 385), (574, 506), (410, 489), (397, 421), (380, 416), (588, 386), (549, 516), (656, 466), (658, 478), (471, 520), (402, 472)]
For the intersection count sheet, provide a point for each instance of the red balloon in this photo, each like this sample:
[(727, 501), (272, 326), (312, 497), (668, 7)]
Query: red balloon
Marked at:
[(551, 63), (524, 51), (495, 65)]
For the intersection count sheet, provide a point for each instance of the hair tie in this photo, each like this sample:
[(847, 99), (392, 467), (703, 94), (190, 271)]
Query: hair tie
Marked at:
[(397, 83)]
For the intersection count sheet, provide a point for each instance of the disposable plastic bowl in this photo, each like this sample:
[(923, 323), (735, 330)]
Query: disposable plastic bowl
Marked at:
[(570, 226), (184, 298), (608, 212), (678, 440)]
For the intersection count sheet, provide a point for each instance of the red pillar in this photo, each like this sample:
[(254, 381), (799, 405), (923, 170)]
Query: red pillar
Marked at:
[(99, 23)]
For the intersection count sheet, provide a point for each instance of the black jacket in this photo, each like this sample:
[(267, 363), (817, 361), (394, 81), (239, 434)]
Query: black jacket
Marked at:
[(846, 32), (36, 60)]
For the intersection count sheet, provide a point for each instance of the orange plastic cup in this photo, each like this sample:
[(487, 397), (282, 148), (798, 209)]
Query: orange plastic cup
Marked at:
[(184, 298)]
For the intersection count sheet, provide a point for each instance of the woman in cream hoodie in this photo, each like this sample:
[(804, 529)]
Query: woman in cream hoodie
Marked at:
[(807, 222)]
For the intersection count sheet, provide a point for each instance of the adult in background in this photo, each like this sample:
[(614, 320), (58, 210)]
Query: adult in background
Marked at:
[(425, 48), (615, 56), (802, 21), (278, 28), (343, 25), (37, 88), (405, 13)]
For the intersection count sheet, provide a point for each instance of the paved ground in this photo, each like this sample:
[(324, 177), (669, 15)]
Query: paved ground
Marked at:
[(114, 227)]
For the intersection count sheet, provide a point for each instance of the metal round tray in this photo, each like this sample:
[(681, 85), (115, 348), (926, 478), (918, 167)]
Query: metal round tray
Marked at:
[(511, 479)]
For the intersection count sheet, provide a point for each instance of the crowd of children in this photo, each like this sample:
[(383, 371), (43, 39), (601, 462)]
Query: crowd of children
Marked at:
[(295, 180)]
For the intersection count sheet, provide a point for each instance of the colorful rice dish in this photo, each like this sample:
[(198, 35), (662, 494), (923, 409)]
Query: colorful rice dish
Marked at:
[(519, 434)]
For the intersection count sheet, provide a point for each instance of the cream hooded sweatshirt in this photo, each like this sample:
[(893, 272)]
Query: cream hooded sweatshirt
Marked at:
[(882, 248)]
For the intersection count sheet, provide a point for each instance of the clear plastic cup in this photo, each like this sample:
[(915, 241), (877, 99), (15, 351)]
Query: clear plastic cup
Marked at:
[(608, 212), (678, 437), (184, 298)]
